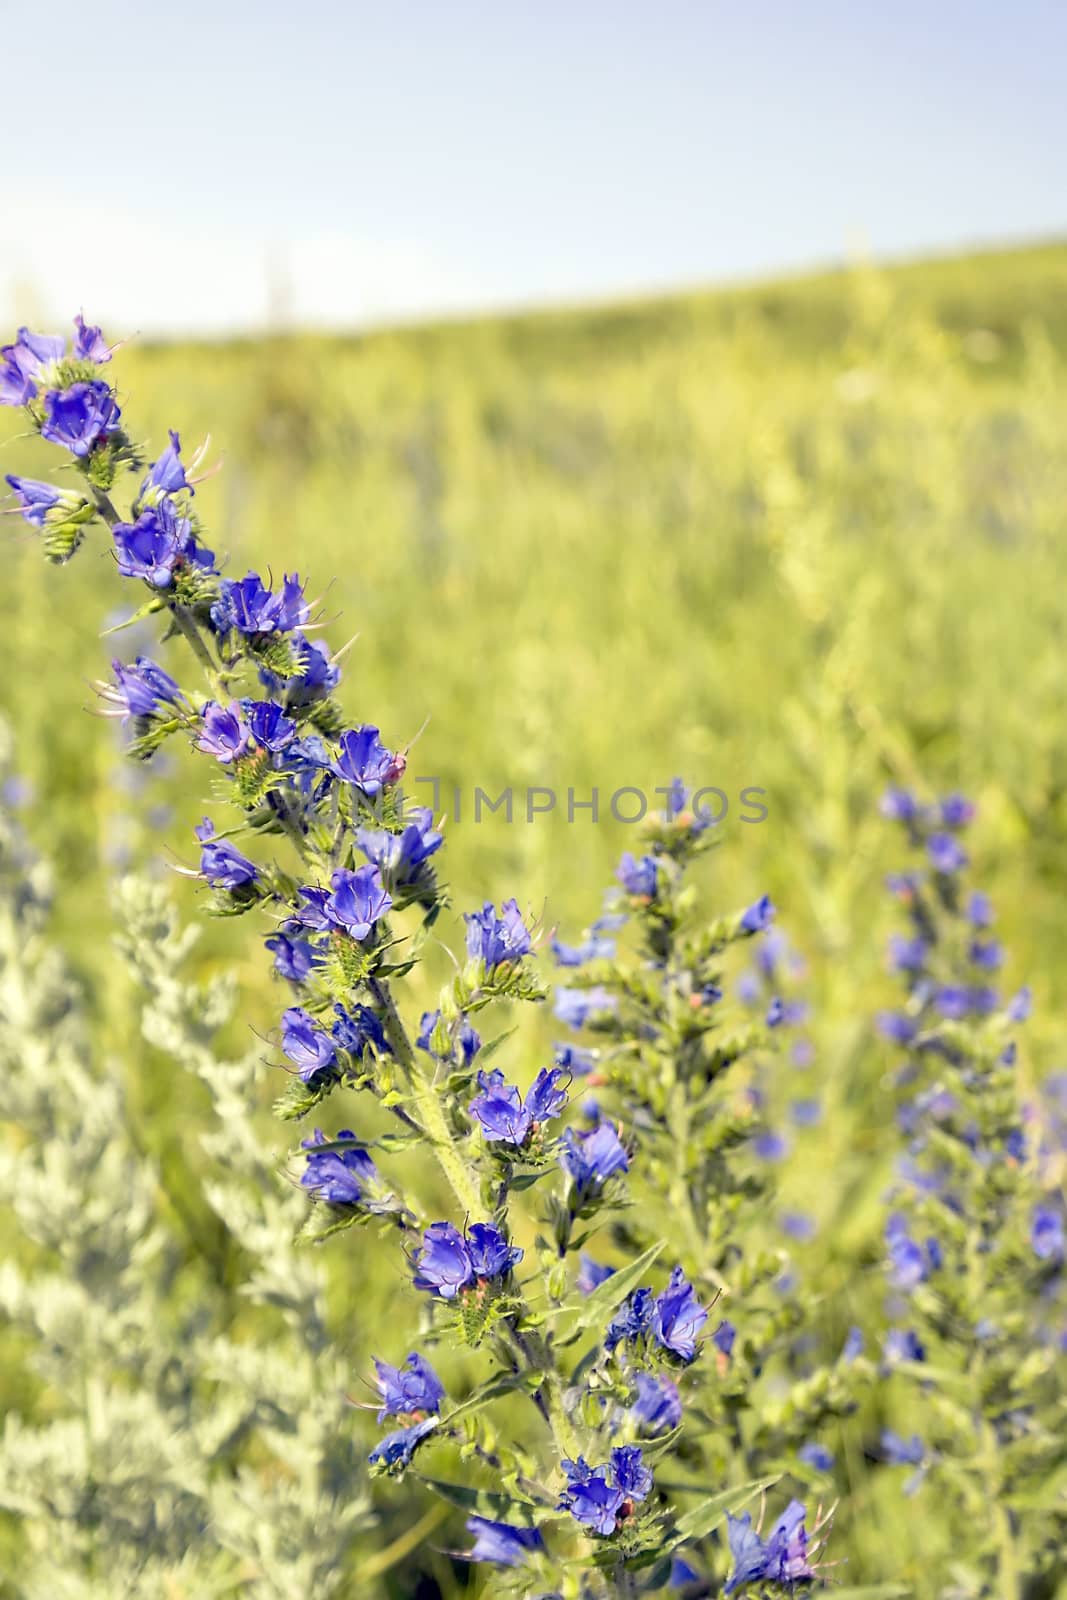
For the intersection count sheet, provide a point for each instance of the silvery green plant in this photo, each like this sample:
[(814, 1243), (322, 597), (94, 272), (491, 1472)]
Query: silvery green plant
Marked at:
[(171, 1451), (975, 1234), (314, 837)]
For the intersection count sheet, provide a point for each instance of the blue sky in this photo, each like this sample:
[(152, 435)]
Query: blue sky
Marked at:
[(214, 166)]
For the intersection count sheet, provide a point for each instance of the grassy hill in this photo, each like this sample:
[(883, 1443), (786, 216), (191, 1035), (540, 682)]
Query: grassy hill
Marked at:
[(723, 534)]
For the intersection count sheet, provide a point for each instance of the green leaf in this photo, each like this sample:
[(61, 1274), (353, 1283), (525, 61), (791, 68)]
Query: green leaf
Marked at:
[(704, 1518), (484, 1503), (149, 609), (493, 1390), (489, 1050), (594, 1310)]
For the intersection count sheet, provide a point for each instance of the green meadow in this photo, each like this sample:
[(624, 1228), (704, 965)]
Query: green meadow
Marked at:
[(806, 537)]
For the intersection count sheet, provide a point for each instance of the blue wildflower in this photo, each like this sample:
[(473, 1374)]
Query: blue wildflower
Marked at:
[(771, 1146), (747, 1552), (590, 1498), (758, 916), (592, 1158), (683, 1573), (499, 1109), (896, 1027), (313, 914), (495, 940), (410, 1389), (782, 1559), (20, 363), (785, 1013), (226, 735), (986, 953), (365, 762), (908, 955), (141, 687), (953, 1001), (167, 475), (269, 726), (900, 1452), (725, 1337), (89, 344), (402, 854), (443, 1265), (902, 1344), (1047, 1234), (572, 1058), (979, 909), (658, 1406), (504, 1116), (853, 1346), (501, 1544), (395, 1451), (610, 922), (591, 1274), (1020, 1006), (318, 676), (638, 877), (771, 952), (79, 417), (346, 1177), (545, 1098), (816, 1456), (490, 1254), (447, 1261), (806, 1113), (358, 1027), (249, 606), (632, 1321), (899, 805), (158, 543), (798, 1225), (357, 900), (912, 1263), (787, 1548), (629, 1472), (293, 958), (308, 1046), (221, 863), (576, 955), (42, 505), (947, 855), (678, 1317), (574, 1007), (956, 811), (748, 988)]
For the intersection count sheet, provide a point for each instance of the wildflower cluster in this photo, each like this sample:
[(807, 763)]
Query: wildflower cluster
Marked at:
[(664, 1165), (974, 1235), (664, 1044)]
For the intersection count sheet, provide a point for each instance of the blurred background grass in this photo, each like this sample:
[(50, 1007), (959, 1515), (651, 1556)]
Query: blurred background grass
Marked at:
[(806, 537)]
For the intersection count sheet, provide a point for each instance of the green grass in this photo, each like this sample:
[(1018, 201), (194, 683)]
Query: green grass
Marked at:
[(806, 536)]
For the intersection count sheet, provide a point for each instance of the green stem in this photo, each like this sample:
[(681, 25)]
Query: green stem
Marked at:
[(429, 1106), (191, 633)]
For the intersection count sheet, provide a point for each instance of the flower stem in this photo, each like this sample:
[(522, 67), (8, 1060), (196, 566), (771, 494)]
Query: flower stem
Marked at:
[(428, 1103)]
